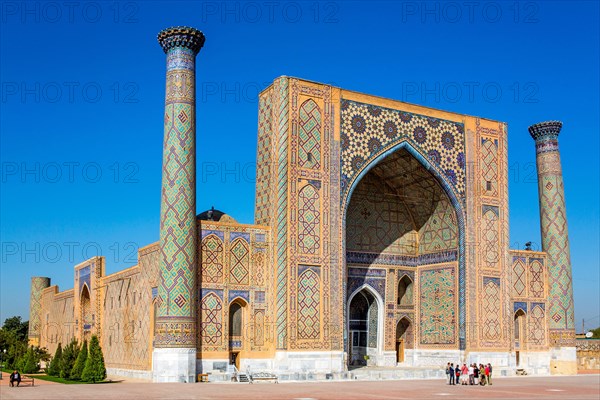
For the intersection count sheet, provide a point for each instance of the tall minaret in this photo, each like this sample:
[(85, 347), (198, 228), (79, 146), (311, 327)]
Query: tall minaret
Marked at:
[(38, 284), (174, 356), (555, 242)]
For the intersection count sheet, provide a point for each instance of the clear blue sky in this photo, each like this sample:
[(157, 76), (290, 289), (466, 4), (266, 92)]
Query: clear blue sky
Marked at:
[(83, 91)]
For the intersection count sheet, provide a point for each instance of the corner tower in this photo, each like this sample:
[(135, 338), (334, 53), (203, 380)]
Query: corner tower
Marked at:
[(555, 241), (174, 356), (38, 284)]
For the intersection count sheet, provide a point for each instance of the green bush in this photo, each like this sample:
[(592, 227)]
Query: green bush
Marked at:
[(80, 362), (94, 370), (55, 363), (69, 355)]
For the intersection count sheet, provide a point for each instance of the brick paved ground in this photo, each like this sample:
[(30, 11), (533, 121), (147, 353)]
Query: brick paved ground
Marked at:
[(571, 387)]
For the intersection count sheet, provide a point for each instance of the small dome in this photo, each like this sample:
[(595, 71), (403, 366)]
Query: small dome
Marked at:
[(214, 215)]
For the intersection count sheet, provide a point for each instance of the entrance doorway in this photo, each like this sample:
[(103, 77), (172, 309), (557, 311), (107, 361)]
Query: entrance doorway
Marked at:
[(363, 321), (403, 338)]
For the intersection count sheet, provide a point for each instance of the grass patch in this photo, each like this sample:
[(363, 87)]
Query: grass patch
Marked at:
[(41, 376)]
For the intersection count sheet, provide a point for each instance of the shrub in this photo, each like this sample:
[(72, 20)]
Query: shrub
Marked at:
[(94, 370)]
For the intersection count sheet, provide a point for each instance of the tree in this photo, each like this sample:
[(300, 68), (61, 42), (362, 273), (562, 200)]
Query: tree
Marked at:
[(30, 363), (596, 333), (69, 355), (80, 362), (14, 324), (55, 364), (94, 370)]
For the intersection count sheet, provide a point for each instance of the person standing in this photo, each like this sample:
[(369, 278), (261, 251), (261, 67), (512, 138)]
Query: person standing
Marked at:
[(451, 369), (457, 371), (482, 380), (471, 375), (448, 373), (476, 373), (489, 376)]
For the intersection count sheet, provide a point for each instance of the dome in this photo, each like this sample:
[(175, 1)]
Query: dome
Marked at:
[(214, 215)]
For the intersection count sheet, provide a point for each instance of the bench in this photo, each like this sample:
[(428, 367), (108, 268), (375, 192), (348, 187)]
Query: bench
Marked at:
[(521, 371), (202, 377), (26, 379), (263, 376)]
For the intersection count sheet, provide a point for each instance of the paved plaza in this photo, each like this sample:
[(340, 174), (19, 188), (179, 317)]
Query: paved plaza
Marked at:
[(567, 387)]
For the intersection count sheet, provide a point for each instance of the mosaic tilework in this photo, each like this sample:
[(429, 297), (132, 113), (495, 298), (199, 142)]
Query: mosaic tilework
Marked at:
[(555, 237), (309, 220), (490, 310), (373, 325), (281, 88), (175, 325), (264, 160), (537, 325), (536, 279), (239, 263), (489, 167), (212, 259), (309, 299), (490, 236), (437, 306), (519, 278), (309, 150), (367, 131), (212, 321), (37, 285)]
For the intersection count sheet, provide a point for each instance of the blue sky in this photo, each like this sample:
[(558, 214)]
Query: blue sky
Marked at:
[(83, 91)]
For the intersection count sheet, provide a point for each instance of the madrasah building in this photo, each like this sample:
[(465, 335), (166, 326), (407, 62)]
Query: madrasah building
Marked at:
[(380, 238)]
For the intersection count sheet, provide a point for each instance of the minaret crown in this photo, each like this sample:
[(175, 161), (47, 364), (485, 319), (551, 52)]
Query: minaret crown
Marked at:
[(181, 36)]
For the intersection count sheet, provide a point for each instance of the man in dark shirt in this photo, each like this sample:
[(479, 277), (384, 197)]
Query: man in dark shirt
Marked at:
[(451, 375)]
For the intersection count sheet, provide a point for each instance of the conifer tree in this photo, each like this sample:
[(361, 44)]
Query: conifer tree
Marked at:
[(69, 355), (94, 370), (80, 362), (30, 364), (55, 364)]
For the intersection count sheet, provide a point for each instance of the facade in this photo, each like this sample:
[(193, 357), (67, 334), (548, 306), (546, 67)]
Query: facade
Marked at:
[(380, 238)]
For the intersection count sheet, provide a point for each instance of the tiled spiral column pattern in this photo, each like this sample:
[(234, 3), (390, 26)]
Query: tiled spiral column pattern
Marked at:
[(37, 285), (555, 238), (176, 321)]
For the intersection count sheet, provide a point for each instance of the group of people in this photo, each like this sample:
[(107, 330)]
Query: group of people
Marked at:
[(15, 377), (469, 375)]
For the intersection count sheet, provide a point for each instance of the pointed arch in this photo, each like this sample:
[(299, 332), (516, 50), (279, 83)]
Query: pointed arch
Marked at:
[(212, 259), (405, 291), (457, 205), (309, 220)]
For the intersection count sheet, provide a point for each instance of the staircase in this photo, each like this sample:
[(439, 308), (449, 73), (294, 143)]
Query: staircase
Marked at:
[(243, 377)]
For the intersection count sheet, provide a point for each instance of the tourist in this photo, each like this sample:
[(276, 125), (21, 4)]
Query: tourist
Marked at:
[(448, 373), (476, 373), (464, 375), (15, 377), (482, 380), (489, 375), (471, 374), (451, 374), (457, 371)]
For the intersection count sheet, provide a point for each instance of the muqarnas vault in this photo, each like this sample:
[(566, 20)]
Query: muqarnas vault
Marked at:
[(380, 238)]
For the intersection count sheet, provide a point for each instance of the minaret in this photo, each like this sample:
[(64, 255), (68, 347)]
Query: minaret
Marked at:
[(174, 356), (555, 242), (38, 284)]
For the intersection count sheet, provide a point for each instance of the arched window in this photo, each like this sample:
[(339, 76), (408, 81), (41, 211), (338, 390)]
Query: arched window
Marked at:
[(235, 320), (405, 291)]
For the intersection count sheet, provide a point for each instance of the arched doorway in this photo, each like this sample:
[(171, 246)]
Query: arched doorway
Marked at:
[(404, 339), (363, 327), (402, 214), (236, 331), (520, 332), (405, 291), (87, 318)]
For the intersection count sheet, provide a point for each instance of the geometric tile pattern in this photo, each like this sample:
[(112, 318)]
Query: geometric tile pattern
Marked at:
[(555, 237), (489, 237), (490, 310), (212, 260), (176, 311), (367, 131), (309, 220), (519, 278), (309, 151), (37, 285), (536, 279), (537, 325), (489, 166), (212, 321), (437, 306), (264, 167), (309, 295), (239, 262), (373, 324)]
